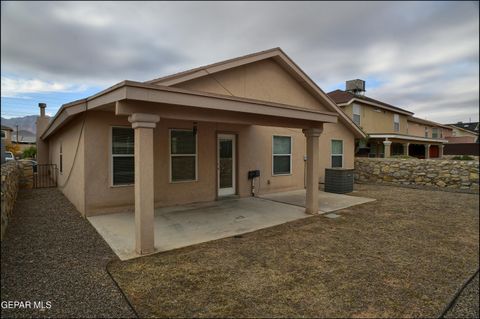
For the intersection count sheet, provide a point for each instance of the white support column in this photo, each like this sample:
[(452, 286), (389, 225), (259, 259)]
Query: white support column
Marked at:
[(313, 167), (427, 151), (143, 124), (386, 151), (405, 148), (440, 150)]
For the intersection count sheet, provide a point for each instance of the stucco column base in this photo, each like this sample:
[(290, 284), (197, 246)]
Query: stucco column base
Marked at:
[(313, 167), (427, 151), (440, 151), (405, 148), (144, 187), (387, 152)]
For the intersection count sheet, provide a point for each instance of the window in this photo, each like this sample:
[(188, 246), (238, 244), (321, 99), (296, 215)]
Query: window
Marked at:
[(337, 153), (123, 160), (396, 122), (282, 155), (356, 114), (434, 132), (3, 134), (61, 159), (426, 131), (183, 155)]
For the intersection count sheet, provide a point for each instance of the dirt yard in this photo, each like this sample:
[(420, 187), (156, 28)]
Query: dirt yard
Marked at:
[(404, 255)]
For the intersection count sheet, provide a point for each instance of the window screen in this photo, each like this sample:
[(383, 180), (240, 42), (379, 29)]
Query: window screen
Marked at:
[(282, 155), (337, 153), (356, 114), (123, 160), (183, 155)]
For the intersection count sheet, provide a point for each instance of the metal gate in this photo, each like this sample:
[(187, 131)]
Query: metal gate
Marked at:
[(44, 175)]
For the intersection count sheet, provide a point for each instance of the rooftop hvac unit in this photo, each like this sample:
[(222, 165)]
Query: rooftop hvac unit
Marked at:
[(355, 86)]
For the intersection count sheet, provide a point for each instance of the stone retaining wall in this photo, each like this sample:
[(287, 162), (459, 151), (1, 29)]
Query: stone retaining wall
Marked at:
[(10, 183), (444, 174)]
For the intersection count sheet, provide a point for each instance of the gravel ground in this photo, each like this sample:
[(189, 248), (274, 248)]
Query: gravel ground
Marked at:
[(404, 255), (467, 304), (52, 254)]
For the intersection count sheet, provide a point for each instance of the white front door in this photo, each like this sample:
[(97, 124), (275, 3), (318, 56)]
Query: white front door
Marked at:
[(226, 164)]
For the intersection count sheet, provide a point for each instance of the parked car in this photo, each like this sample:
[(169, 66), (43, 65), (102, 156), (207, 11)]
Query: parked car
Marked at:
[(32, 162), (9, 156)]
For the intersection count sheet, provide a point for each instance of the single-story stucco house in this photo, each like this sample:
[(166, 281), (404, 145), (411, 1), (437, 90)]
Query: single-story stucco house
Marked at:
[(194, 136)]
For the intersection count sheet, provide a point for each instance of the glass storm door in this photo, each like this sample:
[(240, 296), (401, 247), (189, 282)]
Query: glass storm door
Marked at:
[(226, 164)]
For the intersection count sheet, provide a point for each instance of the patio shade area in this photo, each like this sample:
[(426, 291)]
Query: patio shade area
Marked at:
[(186, 225)]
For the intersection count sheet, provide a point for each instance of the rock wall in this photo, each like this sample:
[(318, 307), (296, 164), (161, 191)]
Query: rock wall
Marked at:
[(444, 174), (10, 183)]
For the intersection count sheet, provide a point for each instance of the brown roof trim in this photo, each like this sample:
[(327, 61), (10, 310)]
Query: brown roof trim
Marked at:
[(6, 128), (120, 92), (344, 98), (426, 122), (204, 67)]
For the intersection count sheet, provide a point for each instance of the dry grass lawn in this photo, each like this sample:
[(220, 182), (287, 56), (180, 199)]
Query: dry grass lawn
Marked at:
[(404, 255)]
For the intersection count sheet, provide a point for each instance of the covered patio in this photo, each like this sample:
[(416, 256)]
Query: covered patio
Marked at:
[(145, 105), (185, 225), (387, 145)]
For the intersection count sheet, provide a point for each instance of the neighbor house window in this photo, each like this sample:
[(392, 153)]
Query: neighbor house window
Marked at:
[(61, 159), (337, 153), (3, 135), (183, 155), (282, 155), (426, 131), (123, 161), (396, 122), (356, 114), (434, 132)]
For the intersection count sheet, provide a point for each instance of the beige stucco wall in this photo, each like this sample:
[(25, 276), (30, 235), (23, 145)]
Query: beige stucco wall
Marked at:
[(254, 147), (418, 129), (381, 121), (72, 180), (8, 136), (264, 80)]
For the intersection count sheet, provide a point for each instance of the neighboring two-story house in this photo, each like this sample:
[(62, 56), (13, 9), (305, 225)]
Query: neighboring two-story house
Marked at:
[(391, 130)]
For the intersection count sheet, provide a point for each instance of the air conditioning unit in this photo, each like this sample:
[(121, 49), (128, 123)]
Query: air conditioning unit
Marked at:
[(355, 86)]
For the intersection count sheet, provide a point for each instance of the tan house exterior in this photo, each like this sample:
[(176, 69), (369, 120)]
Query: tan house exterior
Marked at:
[(391, 130), (194, 136)]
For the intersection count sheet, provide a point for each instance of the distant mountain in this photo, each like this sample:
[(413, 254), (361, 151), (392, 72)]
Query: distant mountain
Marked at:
[(26, 123)]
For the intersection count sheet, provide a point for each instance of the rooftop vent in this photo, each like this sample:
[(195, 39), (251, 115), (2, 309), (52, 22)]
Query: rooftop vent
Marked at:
[(356, 86)]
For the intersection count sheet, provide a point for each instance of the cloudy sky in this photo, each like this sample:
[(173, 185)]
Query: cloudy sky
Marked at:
[(423, 56)]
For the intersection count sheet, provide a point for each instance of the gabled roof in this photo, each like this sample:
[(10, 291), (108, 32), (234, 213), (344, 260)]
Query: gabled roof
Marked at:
[(470, 126), (283, 60), (461, 128), (343, 97)]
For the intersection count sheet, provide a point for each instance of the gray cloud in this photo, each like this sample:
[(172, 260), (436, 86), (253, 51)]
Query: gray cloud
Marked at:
[(424, 55)]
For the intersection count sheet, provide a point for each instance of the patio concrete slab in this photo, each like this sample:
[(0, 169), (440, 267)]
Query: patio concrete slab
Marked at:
[(328, 202), (186, 225)]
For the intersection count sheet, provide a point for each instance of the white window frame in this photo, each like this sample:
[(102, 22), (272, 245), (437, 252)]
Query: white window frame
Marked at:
[(273, 154), (396, 121), (359, 108), (170, 155), (435, 129), (331, 154), (111, 156)]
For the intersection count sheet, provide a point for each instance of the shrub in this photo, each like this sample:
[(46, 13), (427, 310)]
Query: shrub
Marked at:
[(30, 152)]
